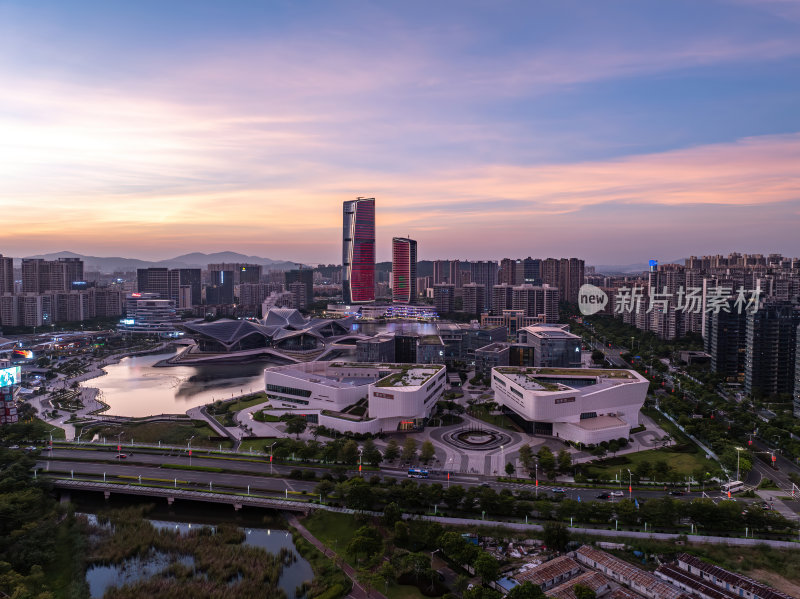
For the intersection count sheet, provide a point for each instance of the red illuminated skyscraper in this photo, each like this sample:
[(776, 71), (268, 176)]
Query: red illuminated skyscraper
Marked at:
[(404, 270), (358, 251)]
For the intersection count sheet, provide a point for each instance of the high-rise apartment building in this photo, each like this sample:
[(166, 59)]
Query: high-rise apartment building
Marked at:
[(501, 298), (509, 272), (797, 376), (532, 271), (771, 343), (153, 280), (181, 285), (221, 289), (571, 277), (474, 298), (441, 272), (242, 272), (358, 251), (536, 301), (306, 277), (6, 275), (404, 270), (41, 276), (444, 298), (454, 276), (726, 342), (484, 273)]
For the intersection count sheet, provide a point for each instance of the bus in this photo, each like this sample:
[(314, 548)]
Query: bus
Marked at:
[(417, 473), (733, 486)]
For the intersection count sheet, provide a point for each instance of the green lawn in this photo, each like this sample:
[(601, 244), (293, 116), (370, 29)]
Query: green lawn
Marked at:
[(333, 529), (684, 464), (499, 420), (257, 445), (666, 424), (169, 433), (250, 400), (58, 433)]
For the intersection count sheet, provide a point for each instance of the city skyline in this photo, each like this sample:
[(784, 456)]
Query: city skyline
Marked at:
[(480, 131)]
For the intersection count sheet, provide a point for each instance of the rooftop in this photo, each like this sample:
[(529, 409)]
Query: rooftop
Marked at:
[(414, 376), (549, 570)]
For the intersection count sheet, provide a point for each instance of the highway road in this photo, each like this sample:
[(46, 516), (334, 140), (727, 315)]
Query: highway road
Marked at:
[(244, 472)]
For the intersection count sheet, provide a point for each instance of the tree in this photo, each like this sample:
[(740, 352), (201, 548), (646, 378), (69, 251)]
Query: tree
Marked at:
[(453, 496), (324, 488), (427, 452), (564, 461), (366, 540), (526, 590), (510, 468), (296, 425), (598, 357), (547, 461), (526, 456), (391, 514), (556, 535), (584, 592), (392, 451), (370, 453), (409, 450), (349, 452), (486, 567)]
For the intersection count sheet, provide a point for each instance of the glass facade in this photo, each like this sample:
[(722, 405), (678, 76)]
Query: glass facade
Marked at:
[(358, 251), (404, 270)]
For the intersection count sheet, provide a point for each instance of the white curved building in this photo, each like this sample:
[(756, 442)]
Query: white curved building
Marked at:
[(357, 397), (584, 405)]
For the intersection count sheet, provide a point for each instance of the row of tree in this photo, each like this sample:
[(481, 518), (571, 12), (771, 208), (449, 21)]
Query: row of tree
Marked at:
[(664, 512)]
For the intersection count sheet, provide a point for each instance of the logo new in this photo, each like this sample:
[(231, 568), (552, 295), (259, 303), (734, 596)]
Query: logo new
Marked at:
[(591, 299)]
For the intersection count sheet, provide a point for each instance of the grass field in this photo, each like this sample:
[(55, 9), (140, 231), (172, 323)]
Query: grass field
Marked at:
[(58, 433), (168, 433), (682, 463), (251, 400), (257, 445), (334, 530), (666, 425)]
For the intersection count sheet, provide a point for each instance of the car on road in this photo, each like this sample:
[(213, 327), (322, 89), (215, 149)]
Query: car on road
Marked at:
[(677, 492), (14, 447), (604, 496), (617, 494), (485, 485), (120, 456), (31, 448), (559, 490)]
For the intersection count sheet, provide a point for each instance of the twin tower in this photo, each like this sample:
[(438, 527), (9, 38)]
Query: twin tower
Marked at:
[(358, 257)]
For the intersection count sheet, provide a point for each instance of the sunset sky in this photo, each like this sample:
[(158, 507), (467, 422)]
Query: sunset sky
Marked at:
[(611, 131)]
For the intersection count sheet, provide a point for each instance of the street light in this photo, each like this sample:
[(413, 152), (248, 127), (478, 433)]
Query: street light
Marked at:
[(630, 484), (738, 449), (270, 457), (189, 445)]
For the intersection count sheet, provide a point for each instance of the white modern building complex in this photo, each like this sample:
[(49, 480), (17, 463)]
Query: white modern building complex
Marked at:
[(584, 405), (356, 397)]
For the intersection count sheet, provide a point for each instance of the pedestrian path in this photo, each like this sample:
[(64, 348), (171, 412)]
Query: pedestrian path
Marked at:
[(358, 591)]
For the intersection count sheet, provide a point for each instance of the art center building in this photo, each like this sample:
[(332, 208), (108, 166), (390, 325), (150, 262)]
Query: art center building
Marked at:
[(357, 397), (584, 405)]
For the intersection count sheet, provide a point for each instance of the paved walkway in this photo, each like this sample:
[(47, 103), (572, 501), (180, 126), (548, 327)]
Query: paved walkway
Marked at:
[(358, 591)]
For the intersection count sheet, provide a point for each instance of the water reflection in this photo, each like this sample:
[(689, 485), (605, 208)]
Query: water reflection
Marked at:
[(101, 578), (135, 387)]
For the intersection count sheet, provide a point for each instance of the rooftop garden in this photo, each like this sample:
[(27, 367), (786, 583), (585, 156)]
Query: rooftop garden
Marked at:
[(412, 376), (568, 372)]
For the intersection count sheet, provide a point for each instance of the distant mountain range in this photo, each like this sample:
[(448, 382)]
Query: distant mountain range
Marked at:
[(193, 260)]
